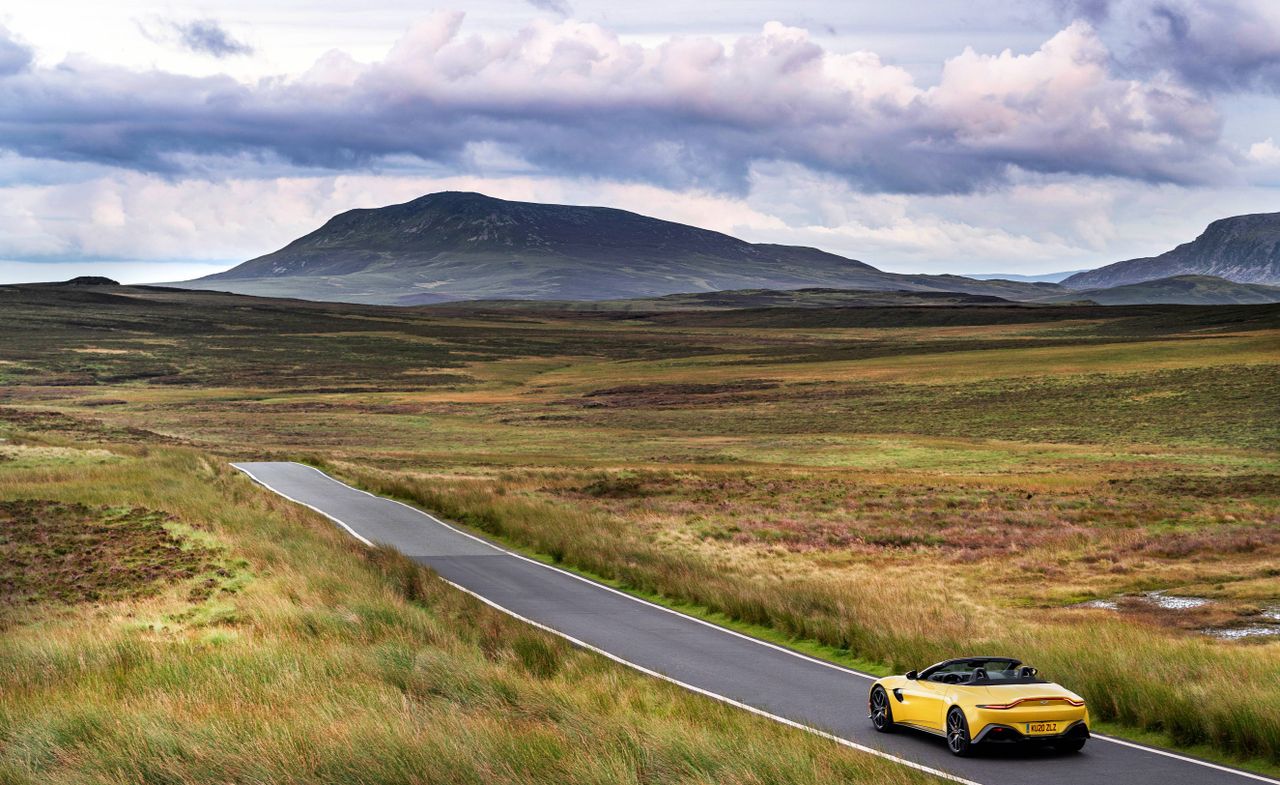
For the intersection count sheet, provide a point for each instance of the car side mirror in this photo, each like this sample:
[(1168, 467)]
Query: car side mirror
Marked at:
[(912, 675)]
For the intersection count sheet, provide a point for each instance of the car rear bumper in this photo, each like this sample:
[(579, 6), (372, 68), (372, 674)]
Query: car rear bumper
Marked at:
[(997, 733)]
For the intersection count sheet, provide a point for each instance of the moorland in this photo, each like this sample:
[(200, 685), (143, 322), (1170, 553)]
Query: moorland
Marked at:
[(1093, 489)]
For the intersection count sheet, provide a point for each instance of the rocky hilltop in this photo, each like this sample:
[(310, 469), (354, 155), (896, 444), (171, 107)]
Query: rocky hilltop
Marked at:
[(1244, 249)]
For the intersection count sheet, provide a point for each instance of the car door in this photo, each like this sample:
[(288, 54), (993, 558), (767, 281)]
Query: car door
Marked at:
[(920, 702), (932, 704)]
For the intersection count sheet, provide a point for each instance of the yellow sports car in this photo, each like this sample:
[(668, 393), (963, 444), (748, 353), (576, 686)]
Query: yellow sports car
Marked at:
[(981, 700)]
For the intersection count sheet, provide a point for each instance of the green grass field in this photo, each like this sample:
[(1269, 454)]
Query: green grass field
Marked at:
[(896, 485)]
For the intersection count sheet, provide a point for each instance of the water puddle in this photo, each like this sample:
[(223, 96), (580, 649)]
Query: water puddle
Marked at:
[(1270, 625), (1265, 623), (1162, 600), (1237, 633), (1106, 605)]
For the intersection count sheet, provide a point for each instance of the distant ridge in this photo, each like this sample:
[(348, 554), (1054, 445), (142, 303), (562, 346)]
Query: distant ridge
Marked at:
[(1179, 290), (455, 245), (743, 298), (1244, 249), (88, 280)]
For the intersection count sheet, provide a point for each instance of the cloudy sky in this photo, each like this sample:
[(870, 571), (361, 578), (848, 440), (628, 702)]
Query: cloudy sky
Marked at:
[(156, 141)]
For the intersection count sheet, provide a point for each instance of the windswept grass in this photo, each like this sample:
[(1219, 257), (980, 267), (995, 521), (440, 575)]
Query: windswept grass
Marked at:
[(333, 663)]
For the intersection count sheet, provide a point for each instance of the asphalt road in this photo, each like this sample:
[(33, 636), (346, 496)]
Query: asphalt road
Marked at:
[(728, 666)]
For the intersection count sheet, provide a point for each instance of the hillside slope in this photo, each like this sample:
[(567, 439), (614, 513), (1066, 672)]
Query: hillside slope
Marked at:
[(1244, 249), (463, 246), (1179, 290)]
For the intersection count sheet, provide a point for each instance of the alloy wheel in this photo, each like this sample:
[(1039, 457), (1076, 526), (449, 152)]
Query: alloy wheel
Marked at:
[(957, 733), (879, 709)]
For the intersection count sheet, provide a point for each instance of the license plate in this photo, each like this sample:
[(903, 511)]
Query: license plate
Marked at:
[(1038, 728)]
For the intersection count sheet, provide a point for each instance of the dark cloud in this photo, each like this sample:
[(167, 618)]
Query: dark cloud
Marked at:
[(575, 100), (207, 36), (14, 55), (1092, 10), (1212, 45), (559, 7)]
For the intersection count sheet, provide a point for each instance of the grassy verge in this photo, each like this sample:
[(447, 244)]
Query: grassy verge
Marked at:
[(333, 664), (846, 658), (1188, 694)]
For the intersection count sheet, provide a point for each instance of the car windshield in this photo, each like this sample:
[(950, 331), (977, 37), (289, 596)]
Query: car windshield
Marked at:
[(981, 670)]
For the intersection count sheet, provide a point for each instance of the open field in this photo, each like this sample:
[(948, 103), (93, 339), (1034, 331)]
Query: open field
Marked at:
[(902, 483), (247, 640)]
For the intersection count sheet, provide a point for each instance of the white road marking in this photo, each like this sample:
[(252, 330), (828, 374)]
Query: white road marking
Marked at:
[(716, 696), (575, 576), (1176, 756), (350, 530), (642, 669)]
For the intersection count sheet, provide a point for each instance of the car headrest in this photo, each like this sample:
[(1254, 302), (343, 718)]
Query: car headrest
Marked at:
[(979, 673), (1027, 672)]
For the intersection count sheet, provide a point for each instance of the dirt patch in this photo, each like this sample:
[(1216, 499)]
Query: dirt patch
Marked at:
[(625, 485), (70, 553), (326, 406), (664, 395), (73, 427), (1207, 486)]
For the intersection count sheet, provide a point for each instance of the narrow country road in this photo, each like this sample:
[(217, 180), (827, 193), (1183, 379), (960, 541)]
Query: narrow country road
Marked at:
[(757, 676)]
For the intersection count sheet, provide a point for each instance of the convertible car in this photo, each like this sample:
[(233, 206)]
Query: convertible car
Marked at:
[(981, 700)]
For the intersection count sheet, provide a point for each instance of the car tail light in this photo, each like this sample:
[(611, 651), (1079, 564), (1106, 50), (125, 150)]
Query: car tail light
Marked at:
[(1020, 701)]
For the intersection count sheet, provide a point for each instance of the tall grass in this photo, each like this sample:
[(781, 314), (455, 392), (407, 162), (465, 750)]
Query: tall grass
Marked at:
[(1196, 691), (342, 664)]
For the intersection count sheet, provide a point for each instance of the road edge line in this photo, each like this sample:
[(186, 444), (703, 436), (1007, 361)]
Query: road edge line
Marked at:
[(718, 697), (642, 669), (338, 521), (619, 592)]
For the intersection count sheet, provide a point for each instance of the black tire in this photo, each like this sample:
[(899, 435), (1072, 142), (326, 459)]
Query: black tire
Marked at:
[(1073, 744), (958, 740), (881, 710)]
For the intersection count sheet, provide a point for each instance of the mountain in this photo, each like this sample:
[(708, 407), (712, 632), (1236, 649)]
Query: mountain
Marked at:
[(1244, 249), (1048, 277), (1179, 290), (464, 246)]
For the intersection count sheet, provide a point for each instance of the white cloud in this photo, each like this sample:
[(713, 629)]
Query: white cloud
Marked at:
[(1265, 152), (570, 98)]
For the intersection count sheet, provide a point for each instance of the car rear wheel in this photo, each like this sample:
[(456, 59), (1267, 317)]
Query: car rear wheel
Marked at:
[(958, 740), (881, 711)]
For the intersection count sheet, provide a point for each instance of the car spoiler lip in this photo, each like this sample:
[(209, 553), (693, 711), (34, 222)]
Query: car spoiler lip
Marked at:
[(1015, 703)]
